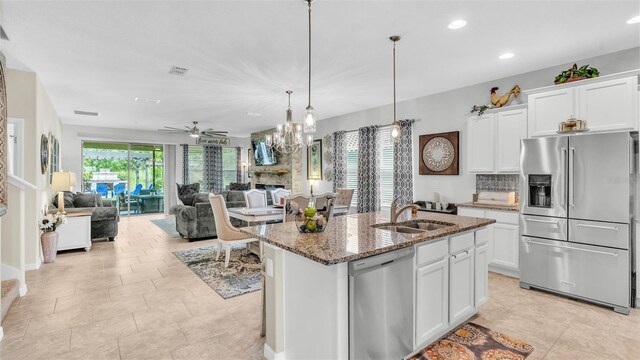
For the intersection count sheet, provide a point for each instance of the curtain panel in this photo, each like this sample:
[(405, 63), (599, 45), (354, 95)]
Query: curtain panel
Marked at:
[(238, 164), (212, 172), (185, 164), (403, 164), (339, 160), (368, 170)]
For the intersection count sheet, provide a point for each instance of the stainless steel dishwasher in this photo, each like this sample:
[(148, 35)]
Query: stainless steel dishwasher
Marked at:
[(381, 306)]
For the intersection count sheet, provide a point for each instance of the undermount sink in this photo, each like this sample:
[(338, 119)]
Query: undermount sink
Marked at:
[(428, 226), (412, 227), (399, 229)]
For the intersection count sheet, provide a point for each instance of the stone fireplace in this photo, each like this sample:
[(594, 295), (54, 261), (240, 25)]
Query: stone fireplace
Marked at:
[(268, 187), (287, 173)]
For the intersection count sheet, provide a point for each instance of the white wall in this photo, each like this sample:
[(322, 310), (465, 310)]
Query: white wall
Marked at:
[(71, 148), (28, 100), (448, 111)]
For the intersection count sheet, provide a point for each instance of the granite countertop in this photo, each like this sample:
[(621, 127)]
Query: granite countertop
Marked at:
[(351, 237), (515, 207)]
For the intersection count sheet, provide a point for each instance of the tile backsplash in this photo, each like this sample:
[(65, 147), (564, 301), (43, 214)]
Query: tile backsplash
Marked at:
[(497, 182)]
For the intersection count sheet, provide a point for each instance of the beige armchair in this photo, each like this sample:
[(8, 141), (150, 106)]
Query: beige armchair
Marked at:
[(344, 198), (227, 233)]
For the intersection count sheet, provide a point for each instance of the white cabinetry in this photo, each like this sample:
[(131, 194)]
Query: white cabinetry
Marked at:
[(608, 103), (447, 280), (503, 245), (481, 263), (76, 233), (462, 296), (432, 296), (493, 140), (480, 144)]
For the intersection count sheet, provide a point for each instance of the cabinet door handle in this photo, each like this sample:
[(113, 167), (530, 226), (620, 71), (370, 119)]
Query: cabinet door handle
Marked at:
[(614, 228)]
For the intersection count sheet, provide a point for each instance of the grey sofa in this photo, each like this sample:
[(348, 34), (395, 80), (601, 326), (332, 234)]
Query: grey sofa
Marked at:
[(194, 221), (104, 216)]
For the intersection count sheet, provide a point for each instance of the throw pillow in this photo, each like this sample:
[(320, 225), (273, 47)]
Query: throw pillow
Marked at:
[(200, 198), (82, 200), (68, 199), (185, 193)]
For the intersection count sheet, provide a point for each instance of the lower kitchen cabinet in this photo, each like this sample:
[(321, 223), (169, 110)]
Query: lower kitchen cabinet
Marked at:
[(504, 239), (432, 295), (482, 268), (462, 296), (505, 245)]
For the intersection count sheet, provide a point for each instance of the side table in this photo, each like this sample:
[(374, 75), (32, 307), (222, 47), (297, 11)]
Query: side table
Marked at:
[(76, 233)]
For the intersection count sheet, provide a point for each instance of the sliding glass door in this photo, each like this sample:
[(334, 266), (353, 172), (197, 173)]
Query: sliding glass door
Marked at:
[(131, 176)]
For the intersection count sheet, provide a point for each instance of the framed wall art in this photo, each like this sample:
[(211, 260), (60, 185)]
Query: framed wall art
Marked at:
[(439, 154), (44, 153), (314, 161), (54, 163)]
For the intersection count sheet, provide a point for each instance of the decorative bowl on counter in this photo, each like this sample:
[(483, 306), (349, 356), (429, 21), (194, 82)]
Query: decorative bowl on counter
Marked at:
[(312, 220)]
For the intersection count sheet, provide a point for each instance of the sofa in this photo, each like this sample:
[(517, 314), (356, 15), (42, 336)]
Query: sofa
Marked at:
[(194, 218), (104, 216)]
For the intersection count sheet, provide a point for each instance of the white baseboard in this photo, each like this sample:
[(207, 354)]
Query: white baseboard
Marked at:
[(270, 355), (9, 272), (32, 266), (504, 271), (1, 333), (22, 290)]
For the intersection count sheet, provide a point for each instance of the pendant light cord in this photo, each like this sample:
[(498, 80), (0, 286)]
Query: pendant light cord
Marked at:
[(394, 82), (309, 3)]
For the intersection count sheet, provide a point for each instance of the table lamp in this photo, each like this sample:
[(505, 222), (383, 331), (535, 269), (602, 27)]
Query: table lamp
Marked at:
[(62, 181)]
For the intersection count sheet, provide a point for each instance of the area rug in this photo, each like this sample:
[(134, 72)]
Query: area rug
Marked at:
[(472, 341), (241, 277), (167, 225)]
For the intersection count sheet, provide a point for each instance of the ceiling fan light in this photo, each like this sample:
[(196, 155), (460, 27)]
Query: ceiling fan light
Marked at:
[(194, 135)]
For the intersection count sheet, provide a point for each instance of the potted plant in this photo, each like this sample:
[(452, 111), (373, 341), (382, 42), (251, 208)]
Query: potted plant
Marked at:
[(49, 237), (576, 73)]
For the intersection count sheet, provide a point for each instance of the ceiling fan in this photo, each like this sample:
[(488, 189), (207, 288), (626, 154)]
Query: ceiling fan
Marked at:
[(194, 132)]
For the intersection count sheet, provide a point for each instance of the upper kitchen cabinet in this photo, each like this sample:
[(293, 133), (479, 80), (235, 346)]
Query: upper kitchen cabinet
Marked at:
[(607, 103), (493, 140)]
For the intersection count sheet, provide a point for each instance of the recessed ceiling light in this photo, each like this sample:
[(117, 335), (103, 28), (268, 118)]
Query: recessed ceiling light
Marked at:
[(87, 113), (634, 20), (506, 56), (457, 24), (149, 100)]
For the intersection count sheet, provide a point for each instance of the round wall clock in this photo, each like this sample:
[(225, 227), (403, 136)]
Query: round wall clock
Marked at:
[(44, 153)]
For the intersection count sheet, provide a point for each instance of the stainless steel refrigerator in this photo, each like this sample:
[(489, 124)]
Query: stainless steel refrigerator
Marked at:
[(577, 200)]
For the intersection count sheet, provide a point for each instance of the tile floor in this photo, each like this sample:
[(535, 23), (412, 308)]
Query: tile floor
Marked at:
[(132, 299)]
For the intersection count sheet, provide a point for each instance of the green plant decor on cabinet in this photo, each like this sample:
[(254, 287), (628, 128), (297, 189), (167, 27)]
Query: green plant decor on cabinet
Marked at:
[(576, 73)]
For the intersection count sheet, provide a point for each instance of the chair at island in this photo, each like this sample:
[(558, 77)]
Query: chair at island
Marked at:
[(294, 205), (256, 198), (227, 233)]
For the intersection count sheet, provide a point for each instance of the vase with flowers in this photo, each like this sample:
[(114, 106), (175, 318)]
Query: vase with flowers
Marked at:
[(49, 237)]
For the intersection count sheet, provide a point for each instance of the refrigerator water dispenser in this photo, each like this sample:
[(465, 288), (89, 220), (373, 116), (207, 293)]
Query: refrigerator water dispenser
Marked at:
[(540, 190)]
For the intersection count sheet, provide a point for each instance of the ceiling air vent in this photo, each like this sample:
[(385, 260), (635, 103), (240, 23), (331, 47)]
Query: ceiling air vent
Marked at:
[(3, 35), (177, 70), (88, 113)]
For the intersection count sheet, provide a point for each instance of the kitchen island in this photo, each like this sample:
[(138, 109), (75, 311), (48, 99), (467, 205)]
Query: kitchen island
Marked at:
[(308, 279)]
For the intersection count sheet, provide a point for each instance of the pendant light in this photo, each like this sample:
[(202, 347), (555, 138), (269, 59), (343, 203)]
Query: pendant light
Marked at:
[(287, 138), (310, 115), (395, 127)]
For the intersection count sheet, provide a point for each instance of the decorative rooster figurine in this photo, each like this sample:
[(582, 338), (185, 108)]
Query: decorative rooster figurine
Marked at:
[(499, 101)]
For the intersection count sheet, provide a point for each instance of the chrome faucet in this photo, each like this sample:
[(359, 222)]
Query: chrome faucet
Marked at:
[(395, 214)]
